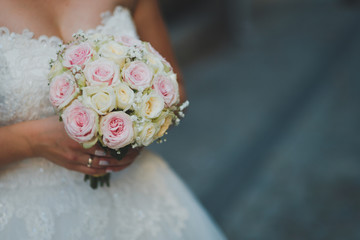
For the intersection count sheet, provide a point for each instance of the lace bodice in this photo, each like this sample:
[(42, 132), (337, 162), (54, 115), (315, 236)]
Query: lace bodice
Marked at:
[(24, 64), (142, 202)]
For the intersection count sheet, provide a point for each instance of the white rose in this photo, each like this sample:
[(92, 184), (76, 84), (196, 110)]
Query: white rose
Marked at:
[(152, 106), (146, 136), (115, 52), (155, 63), (101, 99), (124, 96)]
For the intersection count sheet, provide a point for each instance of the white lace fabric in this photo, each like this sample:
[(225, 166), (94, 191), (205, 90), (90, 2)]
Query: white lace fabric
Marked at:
[(40, 200)]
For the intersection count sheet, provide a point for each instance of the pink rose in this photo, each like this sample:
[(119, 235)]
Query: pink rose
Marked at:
[(80, 122), (77, 55), (128, 41), (102, 71), (62, 90), (138, 75), (117, 130), (167, 87)]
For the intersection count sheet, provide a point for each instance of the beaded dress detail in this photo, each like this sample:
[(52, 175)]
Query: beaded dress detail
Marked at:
[(40, 200)]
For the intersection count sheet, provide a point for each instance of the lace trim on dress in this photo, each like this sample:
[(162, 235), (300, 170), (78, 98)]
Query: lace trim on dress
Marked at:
[(27, 34), (107, 15)]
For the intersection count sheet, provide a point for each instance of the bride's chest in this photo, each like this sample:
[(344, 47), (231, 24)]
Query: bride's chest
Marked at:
[(55, 18)]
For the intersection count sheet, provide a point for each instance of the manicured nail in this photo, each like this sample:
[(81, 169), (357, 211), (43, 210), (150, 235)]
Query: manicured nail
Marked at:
[(109, 171), (103, 163), (100, 153)]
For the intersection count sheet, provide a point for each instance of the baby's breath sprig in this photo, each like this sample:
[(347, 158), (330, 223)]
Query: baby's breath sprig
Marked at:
[(80, 35), (51, 63), (61, 50), (135, 53), (184, 105), (78, 75), (180, 113)]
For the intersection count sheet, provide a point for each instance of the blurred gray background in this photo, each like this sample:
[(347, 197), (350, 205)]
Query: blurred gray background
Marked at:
[(271, 142)]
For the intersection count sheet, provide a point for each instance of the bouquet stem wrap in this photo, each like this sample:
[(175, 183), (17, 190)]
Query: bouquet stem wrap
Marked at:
[(95, 181)]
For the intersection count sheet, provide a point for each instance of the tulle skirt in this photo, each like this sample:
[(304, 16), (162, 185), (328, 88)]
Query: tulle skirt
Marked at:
[(40, 200)]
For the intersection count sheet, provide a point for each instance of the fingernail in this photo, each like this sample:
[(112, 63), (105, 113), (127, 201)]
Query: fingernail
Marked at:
[(100, 153), (109, 171), (103, 163)]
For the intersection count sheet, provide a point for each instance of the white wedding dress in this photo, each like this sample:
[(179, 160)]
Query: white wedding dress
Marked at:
[(40, 200)]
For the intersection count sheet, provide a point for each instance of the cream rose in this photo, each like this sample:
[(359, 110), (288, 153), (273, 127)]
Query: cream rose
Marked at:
[(117, 130), (62, 90), (146, 136), (152, 106), (102, 71), (164, 126), (124, 96), (101, 99), (77, 55), (168, 88), (155, 63), (114, 52), (81, 123), (138, 75)]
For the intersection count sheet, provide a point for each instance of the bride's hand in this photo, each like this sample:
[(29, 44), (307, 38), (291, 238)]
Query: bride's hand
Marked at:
[(51, 141)]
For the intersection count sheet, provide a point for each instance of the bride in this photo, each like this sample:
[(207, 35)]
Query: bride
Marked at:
[(42, 194)]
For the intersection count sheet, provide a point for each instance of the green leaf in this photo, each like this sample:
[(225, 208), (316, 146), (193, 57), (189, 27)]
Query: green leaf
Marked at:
[(88, 145)]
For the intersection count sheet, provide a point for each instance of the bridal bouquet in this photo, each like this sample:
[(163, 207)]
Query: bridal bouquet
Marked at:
[(115, 91)]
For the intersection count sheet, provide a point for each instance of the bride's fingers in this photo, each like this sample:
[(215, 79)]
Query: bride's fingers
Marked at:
[(96, 151), (112, 162), (83, 168), (101, 162), (126, 161), (116, 169), (98, 168), (132, 154)]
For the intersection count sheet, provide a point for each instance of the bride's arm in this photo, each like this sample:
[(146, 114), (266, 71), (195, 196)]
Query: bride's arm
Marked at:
[(151, 28), (15, 142), (47, 138)]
